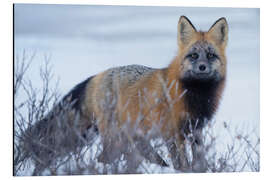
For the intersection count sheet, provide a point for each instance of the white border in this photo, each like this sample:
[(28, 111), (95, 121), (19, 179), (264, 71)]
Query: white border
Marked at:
[(190, 3), (6, 95)]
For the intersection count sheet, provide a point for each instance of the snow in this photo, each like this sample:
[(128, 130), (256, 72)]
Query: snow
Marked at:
[(85, 40)]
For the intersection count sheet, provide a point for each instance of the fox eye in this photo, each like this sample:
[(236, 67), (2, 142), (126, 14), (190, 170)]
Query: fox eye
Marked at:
[(194, 56), (210, 55)]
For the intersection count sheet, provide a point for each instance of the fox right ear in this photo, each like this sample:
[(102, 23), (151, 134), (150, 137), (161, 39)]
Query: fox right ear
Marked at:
[(185, 30), (219, 31)]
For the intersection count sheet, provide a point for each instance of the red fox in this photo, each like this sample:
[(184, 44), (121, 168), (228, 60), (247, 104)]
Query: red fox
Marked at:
[(184, 94)]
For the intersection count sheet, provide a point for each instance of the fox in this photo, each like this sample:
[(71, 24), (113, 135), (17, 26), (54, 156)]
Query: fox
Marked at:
[(184, 94)]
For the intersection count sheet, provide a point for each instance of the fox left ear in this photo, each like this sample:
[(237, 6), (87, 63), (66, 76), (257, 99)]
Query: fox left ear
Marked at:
[(219, 31), (186, 31)]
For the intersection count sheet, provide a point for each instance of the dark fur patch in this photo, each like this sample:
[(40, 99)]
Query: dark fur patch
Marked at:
[(222, 30), (201, 102), (77, 94)]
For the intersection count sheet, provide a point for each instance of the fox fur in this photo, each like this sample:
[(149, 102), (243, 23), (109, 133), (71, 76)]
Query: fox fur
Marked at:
[(184, 97), (185, 94)]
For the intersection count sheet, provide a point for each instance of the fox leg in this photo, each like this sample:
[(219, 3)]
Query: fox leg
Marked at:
[(199, 162), (144, 147), (178, 154)]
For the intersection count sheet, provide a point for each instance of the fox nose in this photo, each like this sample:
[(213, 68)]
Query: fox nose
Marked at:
[(203, 68)]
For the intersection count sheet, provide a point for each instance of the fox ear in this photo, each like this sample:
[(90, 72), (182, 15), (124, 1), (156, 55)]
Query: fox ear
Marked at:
[(219, 31), (185, 30)]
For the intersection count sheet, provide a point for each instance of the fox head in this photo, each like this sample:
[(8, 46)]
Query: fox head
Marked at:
[(202, 54)]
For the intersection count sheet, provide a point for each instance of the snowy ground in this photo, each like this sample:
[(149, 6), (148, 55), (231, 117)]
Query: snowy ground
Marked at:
[(85, 40)]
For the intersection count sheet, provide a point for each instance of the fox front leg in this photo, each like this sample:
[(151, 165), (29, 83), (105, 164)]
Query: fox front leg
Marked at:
[(178, 155)]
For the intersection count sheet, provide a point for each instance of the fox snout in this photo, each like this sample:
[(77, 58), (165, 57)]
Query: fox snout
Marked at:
[(201, 66)]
